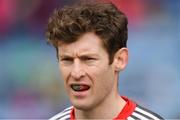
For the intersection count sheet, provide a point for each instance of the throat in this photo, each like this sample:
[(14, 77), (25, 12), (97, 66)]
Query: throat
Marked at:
[(110, 111)]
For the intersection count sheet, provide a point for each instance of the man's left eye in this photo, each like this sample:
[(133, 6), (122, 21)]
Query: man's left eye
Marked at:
[(88, 59)]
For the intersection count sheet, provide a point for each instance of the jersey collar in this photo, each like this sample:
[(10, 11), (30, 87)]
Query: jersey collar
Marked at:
[(124, 113)]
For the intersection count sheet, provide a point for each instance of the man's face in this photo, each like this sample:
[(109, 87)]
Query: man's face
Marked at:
[(88, 77)]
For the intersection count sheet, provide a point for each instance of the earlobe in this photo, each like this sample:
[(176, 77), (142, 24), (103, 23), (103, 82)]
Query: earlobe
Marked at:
[(121, 59)]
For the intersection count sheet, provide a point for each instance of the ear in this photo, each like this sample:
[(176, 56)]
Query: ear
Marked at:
[(120, 59)]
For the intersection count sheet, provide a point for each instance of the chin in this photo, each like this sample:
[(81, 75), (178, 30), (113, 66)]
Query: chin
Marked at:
[(83, 107)]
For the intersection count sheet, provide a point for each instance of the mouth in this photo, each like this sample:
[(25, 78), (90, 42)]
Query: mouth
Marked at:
[(80, 87)]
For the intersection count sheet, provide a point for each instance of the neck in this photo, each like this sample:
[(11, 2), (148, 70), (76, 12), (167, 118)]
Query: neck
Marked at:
[(108, 111)]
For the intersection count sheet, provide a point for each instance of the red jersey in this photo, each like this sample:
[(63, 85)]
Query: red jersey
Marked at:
[(131, 111)]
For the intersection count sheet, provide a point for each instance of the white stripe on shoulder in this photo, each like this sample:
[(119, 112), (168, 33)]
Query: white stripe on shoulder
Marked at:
[(69, 108), (67, 117), (146, 113), (65, 113), (130, 118), (139, 116)]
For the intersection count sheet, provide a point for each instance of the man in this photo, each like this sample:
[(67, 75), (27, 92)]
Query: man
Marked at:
[(90, 40)]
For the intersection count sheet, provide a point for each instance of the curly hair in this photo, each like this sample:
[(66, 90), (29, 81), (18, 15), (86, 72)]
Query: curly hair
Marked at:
[(69, 23)]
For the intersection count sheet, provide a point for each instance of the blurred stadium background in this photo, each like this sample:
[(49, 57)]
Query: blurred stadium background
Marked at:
[(30, 83)]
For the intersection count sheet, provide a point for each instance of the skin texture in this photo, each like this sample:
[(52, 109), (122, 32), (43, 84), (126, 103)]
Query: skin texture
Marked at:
[(86, 62)]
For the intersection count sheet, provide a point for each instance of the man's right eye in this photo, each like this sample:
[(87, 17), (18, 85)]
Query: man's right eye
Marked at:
[(66, 60)]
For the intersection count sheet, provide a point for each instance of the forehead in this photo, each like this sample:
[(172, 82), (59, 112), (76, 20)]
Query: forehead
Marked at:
[(88, 43)]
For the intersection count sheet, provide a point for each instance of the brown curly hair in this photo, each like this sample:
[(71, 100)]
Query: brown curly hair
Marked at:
[(69, 23)]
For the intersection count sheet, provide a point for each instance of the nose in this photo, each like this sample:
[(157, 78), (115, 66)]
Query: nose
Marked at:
[(77, 70)]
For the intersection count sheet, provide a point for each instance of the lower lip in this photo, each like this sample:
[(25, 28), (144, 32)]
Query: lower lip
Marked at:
[(80, 94)]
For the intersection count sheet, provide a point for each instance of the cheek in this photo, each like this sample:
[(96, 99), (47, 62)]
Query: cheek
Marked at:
[(64, 72), (106, 80), (103, 77), (103, 85)]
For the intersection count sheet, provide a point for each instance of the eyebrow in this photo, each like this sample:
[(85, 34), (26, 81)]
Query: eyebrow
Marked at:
[(65, 56), (82, 55)]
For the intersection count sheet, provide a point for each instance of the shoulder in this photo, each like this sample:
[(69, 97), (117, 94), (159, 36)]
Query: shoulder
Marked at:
[(144, 114), (64, 115)]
